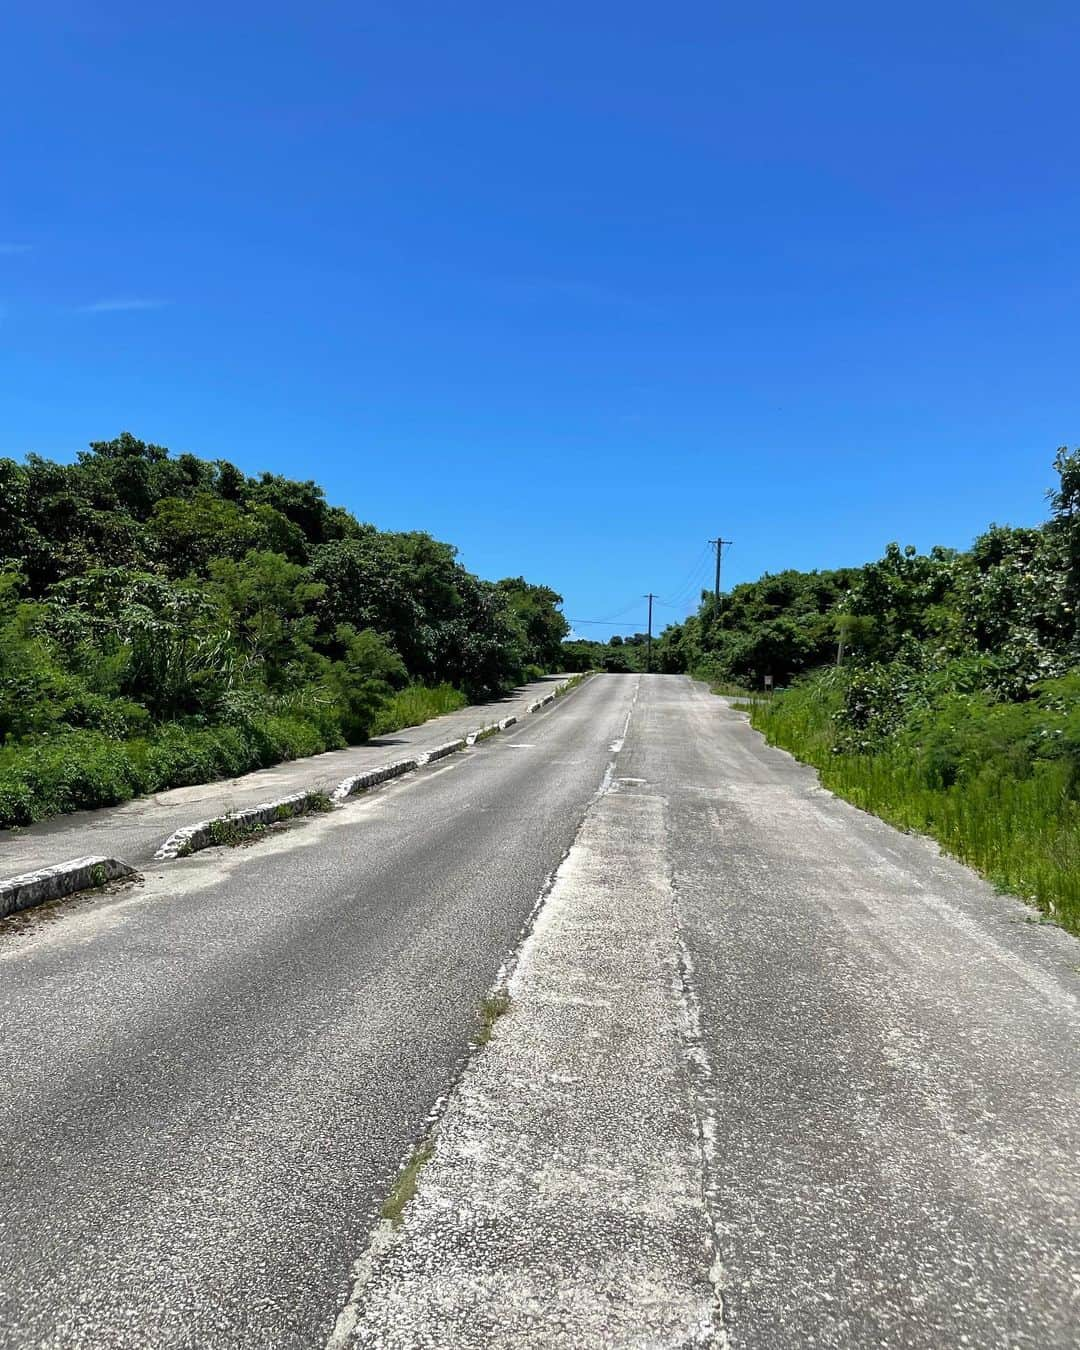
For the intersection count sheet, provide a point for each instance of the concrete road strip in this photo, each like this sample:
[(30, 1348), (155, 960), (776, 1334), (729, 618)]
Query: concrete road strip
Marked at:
[(563, 1204)]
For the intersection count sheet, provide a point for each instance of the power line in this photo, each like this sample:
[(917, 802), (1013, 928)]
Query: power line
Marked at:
[(611, 617), (686, 596), (690, 583), (690, 579)]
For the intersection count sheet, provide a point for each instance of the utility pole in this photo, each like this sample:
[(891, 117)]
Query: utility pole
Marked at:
[(719, 545), (648, 651)]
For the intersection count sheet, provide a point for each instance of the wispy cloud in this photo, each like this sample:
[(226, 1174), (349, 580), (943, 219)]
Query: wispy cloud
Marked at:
[(15, 248), (114, 306)]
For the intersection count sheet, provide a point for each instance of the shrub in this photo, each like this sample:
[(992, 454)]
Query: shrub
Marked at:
[(418, 703)]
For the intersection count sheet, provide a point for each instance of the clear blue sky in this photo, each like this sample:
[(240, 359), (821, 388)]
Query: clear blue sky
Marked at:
[(573, 286)]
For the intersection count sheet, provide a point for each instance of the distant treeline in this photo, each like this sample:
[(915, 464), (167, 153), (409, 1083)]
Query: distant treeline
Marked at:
[(619, 655), (940, 689), (999, 618), (166, 619)]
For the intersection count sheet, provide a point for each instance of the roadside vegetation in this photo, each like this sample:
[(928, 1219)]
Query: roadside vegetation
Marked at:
[(166, 620), (417, 703), (939, 690), (618, 656)]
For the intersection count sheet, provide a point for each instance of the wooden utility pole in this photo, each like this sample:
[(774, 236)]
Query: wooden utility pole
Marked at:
[(648, 650), (719, 544)]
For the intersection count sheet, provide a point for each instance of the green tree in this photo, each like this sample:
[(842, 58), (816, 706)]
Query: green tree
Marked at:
[(268, 604)]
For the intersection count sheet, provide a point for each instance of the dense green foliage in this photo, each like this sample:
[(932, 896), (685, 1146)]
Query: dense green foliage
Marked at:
[(164, 620), (418, 703), (618, 656), (940, 690), (781, 625)]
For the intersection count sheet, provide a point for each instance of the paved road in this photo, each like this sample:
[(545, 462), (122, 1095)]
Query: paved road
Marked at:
[(771, 1074), (135, 830), (206, 1086)]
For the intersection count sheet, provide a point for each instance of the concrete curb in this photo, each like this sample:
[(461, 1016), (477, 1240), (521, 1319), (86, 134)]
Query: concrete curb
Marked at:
[(192, 838), (483, 733), (360, 782), (441, 751), (51, 883)]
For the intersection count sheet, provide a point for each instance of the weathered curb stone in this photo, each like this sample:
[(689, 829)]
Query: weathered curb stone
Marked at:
[(441, 751), (201, 835), (51, 883), (360, 782)]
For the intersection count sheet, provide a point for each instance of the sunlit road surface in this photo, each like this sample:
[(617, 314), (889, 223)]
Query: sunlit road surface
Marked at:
[(771, 1074)]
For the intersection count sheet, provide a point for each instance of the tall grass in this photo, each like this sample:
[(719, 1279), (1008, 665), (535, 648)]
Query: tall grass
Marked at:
[(77, 770), (418, 703), (1022, 832)]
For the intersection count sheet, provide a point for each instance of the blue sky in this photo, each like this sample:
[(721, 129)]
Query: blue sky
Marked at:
[(573, 286)]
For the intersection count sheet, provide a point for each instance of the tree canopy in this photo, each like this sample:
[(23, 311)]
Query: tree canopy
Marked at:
[(140, 590)]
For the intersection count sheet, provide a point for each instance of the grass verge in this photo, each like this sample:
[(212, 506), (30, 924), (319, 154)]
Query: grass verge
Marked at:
[(78, 770), (734, 690), (1020, 830)]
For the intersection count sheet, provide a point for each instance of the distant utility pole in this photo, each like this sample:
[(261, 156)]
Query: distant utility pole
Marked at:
[(719, 545), (648, 651)]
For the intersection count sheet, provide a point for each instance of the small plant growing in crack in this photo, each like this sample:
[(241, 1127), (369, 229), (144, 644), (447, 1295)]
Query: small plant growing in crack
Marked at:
[(393, 1207), (493, 1007), (98, 875), (228, 832)]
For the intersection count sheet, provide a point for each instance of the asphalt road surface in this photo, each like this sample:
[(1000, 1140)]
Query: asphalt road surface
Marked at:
[(771, 1074)]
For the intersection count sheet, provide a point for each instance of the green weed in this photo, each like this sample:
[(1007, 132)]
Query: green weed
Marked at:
[(393, 1207), (494, 1006)]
